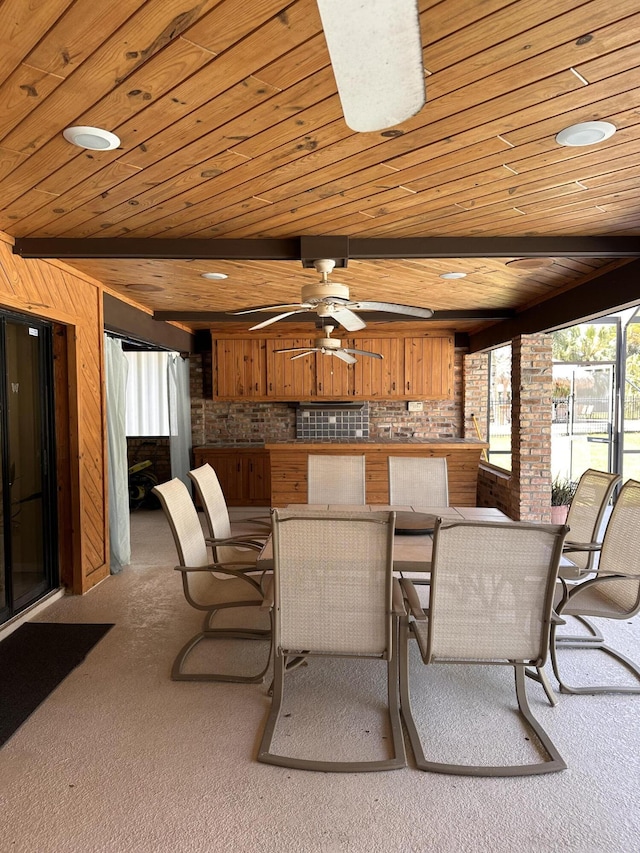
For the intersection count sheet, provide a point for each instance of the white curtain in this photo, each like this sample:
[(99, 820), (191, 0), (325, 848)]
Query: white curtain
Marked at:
[(116, 369), (147, 394), (179, 417)]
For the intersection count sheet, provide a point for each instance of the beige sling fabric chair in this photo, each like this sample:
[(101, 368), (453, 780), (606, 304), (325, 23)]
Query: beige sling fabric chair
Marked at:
[(226, 547), (335, 479), (333, 596), (212, 499), (491, 599), (202, 584), (614, 592), (418, 481), (585, 516)]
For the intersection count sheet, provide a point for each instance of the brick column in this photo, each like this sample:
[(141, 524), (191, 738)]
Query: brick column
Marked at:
[(532, 390), (475, 382)]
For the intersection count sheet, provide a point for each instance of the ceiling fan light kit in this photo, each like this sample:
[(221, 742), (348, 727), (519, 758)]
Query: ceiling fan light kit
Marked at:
[(376, 55)]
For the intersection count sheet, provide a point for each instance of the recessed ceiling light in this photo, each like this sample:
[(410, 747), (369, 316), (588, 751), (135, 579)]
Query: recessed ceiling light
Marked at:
[(94, 138), (529, 263), (214, 276), (453, 275), (586, 133)]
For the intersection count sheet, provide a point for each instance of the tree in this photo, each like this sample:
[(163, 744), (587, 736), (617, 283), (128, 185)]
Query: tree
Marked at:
[(585, 343)]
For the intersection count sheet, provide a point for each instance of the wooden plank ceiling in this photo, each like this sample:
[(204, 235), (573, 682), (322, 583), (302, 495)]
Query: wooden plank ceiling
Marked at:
[(231, 127)]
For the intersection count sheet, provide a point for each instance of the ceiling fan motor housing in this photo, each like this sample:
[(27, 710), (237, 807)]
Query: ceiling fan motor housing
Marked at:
[(314, 294)]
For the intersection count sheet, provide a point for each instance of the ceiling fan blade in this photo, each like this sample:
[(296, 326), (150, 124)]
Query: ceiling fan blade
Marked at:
[(276, 318), (296, 349), (376, 54), (342, 354), (365, 352), (346, 318), (302, 354), (395, 308), (266, 308)]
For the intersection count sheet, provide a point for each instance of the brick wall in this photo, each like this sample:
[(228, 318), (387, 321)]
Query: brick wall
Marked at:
[(226, 423)]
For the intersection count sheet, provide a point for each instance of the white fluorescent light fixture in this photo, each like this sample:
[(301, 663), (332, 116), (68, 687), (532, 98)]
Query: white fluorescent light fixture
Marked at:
[(94, 138), (586, 133), (376, 53)]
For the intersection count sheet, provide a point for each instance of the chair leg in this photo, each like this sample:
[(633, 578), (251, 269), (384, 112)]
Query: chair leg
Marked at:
[(593, 646), (541, 677), (555, 762), (594, 635), (177, 670), (267, 757)]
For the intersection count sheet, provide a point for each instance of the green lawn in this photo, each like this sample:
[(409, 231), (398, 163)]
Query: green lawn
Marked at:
[(571, 456)]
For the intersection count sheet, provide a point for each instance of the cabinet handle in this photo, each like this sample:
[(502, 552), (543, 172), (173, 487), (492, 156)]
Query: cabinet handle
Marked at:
[(393, 386), (408, 386), (251, 467), (238, 467), (270, 386)]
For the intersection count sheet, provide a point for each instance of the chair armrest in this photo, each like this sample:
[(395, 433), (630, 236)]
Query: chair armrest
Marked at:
[(235, 569), (412, 599), (254, 544), (581, 546), (267, 598), (397, 599)]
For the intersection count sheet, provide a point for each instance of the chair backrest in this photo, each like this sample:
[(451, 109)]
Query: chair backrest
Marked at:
[(492, 588), (184, 522), (335, 479), (215, 509), (621, 550), (332, 581), (587, 510), (418, 481)]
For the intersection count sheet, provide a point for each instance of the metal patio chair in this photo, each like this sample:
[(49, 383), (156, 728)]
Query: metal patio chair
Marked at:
[(335, 479), (417, 482), (333, 596), (613, 593), (208, 586), (491, 599), (216, 513)]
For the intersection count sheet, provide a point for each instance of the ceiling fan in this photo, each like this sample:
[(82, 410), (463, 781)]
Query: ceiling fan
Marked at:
[(330, 346), (376, 55), (330, 300)]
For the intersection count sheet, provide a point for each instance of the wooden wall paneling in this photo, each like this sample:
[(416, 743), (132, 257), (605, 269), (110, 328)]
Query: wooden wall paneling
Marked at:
[(49, 291)]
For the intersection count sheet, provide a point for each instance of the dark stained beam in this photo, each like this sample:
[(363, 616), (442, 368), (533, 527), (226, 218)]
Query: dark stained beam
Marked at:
[(612, 291), (373, 316), (306, 249), (138, 326)]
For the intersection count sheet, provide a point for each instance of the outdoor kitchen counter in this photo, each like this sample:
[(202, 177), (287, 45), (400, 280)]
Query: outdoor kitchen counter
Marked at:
[(289, 465)]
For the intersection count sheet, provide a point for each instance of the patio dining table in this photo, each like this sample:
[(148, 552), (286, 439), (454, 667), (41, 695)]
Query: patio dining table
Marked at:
[(411, 547)]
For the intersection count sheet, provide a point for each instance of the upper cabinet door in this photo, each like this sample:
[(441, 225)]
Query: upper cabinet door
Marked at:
[(334, 377), (289, 379), (240, 368), (429, 367), (377, 378)]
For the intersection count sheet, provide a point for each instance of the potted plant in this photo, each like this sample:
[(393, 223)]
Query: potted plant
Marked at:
[(562, 491)]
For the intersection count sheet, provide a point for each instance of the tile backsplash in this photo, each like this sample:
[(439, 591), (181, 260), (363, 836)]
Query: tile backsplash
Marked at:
[(332, 422)]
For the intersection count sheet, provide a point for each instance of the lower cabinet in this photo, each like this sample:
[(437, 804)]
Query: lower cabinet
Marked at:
[(244, 473)]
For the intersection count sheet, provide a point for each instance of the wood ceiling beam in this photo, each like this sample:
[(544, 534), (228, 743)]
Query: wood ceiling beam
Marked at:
[(610, 292), (306, 249)]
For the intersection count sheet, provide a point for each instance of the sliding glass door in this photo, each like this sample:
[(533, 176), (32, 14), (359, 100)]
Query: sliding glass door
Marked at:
[(28, 542)]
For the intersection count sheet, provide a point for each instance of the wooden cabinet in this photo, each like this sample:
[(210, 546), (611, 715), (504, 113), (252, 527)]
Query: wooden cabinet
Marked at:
[(244, 473), (379, 378), (428, 368), (287, 378), (239, 365), (413, 366)]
